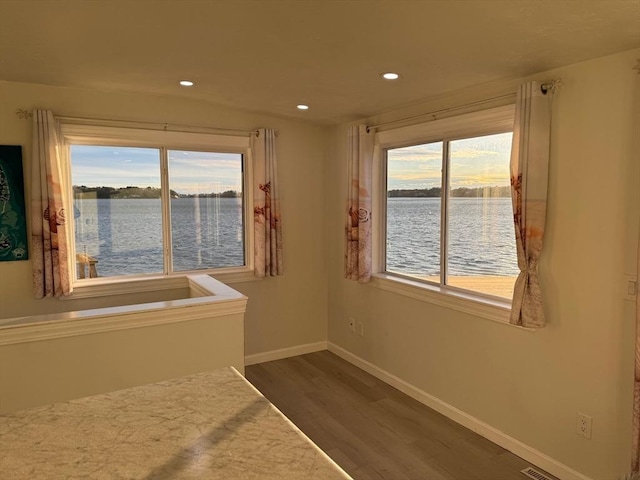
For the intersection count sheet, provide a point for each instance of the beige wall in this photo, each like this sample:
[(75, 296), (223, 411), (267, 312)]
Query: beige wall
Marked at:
[(527, 384), (530, 385), (282, 312)]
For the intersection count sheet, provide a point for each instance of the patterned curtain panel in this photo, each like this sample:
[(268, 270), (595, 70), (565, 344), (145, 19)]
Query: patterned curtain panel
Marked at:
[(529, 176), (266, 205), (635, 460), (358, 221), (49, 195)]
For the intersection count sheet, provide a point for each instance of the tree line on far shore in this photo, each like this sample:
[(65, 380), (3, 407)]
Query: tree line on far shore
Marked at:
[(463, 192), (82, 191)]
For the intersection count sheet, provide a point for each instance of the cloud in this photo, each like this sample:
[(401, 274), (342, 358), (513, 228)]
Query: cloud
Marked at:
[(216, 177), (218, 188), (189, 172), (189, 155), (416, 176), (95, 176), (474, 162)]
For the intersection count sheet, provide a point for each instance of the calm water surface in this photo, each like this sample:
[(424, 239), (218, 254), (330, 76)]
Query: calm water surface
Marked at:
[(125, 235)]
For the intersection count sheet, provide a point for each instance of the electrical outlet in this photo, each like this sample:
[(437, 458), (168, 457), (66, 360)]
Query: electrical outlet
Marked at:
[(583, 425), (630, 287), (352, 324), (360, 328)]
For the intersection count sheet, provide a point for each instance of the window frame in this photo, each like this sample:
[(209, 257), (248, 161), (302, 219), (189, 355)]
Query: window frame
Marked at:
[(474, 124), (163, 140)]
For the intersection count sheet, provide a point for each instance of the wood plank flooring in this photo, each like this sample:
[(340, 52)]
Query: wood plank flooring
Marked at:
[(374, 431)]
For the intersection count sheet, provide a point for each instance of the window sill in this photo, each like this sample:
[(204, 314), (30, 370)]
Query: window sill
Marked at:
[(102, 287), (206, 298), (495, 310)]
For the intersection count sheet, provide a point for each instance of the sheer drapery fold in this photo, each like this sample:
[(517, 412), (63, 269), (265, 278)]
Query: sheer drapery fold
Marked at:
[(50, 191), (266, 205), (529, 178), (358, 211)]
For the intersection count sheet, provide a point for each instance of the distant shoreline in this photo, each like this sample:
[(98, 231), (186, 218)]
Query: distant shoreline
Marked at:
[(131, 192)]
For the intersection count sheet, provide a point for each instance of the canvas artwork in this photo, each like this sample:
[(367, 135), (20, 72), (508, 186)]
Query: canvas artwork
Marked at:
[(13, 226)]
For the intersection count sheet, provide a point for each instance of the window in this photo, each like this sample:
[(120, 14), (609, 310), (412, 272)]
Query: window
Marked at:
[(448, 214), (144, 207)]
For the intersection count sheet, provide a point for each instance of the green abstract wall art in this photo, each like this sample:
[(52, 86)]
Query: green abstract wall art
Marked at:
[(13, 226)]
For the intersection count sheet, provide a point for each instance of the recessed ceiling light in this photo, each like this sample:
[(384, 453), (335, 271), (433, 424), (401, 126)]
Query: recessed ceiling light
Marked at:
[(390, 76), (186, 83), (303, 107)]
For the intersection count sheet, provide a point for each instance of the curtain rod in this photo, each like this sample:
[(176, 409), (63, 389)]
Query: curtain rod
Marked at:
[(173, 127), (546, 87)]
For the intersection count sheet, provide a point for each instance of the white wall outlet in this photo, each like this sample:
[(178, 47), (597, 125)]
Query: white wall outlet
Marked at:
[(583, 425), (352, 324), (630, 287), (360, 328)]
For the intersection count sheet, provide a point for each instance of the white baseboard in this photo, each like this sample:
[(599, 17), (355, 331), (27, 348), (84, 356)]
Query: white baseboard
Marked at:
[(284, 353), (496, 436)]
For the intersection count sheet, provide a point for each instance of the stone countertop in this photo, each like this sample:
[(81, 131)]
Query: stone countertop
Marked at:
[(211, 425)]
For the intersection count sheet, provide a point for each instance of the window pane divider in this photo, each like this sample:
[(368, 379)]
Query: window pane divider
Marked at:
[(469, 220), (383, 212)]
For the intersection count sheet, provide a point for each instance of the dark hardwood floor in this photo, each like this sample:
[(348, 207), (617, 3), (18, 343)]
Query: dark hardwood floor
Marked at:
[(374, 431)]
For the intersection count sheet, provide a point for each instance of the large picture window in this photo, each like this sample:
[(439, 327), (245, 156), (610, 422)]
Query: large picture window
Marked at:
[(449, 217), (149, 210)]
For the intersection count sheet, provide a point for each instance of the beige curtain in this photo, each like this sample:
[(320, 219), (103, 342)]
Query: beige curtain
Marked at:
[(50, 192), (529, 176), (266, 205), (358, 212), (635, 460)]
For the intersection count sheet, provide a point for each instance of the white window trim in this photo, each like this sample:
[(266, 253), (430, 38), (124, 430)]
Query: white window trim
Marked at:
[(206, 299), (77, 134), (472, 124)]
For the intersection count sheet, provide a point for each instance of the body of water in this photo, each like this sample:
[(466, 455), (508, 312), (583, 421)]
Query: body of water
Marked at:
[(125, 235), (481, 238)]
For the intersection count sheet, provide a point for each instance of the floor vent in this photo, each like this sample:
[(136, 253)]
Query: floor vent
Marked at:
[(535, 474)]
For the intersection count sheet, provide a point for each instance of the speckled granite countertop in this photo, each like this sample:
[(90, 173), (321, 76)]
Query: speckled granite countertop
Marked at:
[(211, 425)]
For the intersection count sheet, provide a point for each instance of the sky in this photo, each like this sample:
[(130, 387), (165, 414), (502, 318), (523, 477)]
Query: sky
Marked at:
[(474, 162), (189, 172)]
